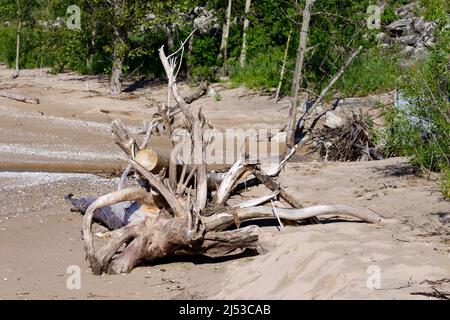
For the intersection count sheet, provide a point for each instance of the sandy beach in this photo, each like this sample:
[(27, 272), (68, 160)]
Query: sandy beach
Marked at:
[(63, 145)]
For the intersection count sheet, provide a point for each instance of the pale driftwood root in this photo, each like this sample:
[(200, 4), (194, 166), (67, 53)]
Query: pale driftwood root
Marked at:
[(156, 237), (132, 194), (230, 179)]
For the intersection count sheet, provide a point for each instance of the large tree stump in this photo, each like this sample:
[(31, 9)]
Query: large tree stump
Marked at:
[(185, 212)]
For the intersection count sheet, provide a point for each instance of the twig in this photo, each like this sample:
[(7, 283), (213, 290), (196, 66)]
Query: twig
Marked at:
[(276, 214)]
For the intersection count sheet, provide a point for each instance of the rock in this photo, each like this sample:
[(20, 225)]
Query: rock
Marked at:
[(408, 50), (420, 25), (406, 10), (211, 92), (333, 121), (408, 40), (420, 52), (429, 43), (382, 37), (400, 25)]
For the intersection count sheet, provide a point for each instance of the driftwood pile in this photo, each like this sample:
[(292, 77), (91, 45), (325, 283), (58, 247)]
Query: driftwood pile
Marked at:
[(181, 208), (353, 141)]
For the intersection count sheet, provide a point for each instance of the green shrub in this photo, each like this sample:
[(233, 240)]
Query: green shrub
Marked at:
[(445, 182), (374, 71), (421, 129), (260, 72), (435, 9), (8, 45)]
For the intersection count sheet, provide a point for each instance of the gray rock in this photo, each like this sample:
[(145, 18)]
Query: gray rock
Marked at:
[(420, 25), (382, 37), (400, 25), (406, 10), (420, 52), (408, 49), (408, 40)]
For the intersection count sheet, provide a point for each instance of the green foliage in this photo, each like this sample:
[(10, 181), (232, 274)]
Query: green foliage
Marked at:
[(445, 182), (337, 27), (261, 71), (435, 9), (373, 71), (7, 45), (421, 129), (203, 58)]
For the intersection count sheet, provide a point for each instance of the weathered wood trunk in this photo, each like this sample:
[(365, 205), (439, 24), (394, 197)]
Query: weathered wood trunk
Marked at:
[(118, 53), (116, 73), (290, 127), (189, 58), (19, 31), (225, 34), (244, 34), (283, 67)]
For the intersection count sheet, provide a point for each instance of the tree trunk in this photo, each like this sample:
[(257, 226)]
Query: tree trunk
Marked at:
[(298, 75), (19, 30), (118, 45), (283, 67), (116, 76), (189, 60), (244, 36), (170, 41), (226, 32)]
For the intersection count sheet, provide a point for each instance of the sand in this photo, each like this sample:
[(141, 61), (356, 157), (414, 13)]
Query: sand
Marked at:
[(52, 149)]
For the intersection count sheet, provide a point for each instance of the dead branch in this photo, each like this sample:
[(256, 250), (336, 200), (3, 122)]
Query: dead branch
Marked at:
[(350, 142), (223, 220), (301, 121), (201, 91), (229, 180)]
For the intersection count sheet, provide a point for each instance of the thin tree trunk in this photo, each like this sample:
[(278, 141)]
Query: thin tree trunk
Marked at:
[(189, 59), (118, 45), (170, 41), (226, 32), (283, 67), (298, 75), (19, 30), (116, 76), (248, 3)]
